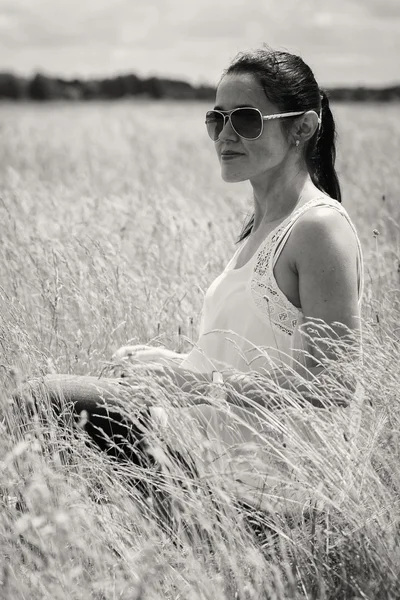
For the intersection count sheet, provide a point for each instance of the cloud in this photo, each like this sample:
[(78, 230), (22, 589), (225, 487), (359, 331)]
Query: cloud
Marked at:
[(349, 41)]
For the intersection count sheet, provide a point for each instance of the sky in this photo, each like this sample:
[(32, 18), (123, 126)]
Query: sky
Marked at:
[(345, 42)]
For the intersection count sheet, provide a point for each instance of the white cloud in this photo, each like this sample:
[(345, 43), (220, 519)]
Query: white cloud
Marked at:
[(324, 19), (345, 41)]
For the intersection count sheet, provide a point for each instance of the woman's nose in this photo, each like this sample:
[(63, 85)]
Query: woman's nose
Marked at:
[(228, 133)]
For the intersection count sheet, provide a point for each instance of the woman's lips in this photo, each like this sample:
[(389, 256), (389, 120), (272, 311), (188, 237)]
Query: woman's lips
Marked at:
[(230, 155)]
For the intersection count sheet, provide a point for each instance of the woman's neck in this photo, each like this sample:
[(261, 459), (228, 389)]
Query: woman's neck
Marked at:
[(277, 197)]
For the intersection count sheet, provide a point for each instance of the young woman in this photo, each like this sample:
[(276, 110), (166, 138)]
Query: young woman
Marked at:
[(292, 288)]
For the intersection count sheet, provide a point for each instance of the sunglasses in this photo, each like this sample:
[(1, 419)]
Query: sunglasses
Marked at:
[(247, 122)]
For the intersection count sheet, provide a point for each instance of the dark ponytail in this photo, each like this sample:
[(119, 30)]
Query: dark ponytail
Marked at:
[(321, 153), (290, 85)]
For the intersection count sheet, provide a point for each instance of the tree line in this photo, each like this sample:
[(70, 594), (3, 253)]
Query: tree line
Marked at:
[(42, 87)]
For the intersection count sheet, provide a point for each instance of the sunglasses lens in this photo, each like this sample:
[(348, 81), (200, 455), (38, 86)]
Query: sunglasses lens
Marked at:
[(247, 123), (214, 124)]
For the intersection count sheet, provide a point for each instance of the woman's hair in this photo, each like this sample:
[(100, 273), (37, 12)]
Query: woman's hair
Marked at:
[(290, 85)]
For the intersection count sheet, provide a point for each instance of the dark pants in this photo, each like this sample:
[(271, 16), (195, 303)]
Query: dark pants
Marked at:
[(102, 407), (106, 411)]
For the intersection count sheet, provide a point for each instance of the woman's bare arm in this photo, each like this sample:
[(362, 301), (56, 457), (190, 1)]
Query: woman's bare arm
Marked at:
[(326, 263)]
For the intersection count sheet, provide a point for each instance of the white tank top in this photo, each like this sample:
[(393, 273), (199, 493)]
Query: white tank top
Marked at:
[(248, 323)]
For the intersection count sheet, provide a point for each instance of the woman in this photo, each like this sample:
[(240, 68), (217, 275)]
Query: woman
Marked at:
[(287, 304)]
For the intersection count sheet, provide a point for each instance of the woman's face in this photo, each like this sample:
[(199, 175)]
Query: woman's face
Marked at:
[(242, 159)]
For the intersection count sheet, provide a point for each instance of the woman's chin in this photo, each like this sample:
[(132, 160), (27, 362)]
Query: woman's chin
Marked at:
[(231, 176)]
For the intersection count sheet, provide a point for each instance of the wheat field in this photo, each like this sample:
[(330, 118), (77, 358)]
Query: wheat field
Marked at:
[(114, 221)]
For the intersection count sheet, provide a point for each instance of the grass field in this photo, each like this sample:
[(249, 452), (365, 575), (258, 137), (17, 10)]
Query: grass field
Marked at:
[(114, 220)]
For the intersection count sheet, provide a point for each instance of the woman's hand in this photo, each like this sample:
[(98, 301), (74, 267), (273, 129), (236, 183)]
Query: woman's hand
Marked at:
[(126, 352), (148, 354), (136, 365)]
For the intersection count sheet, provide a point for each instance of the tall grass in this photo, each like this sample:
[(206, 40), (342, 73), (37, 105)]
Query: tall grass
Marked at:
[(114, 221)]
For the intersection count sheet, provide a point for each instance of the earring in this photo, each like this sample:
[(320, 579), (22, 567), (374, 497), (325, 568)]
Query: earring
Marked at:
[(297, 144)]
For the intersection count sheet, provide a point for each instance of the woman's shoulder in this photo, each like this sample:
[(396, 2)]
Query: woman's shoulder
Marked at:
[(324, 223), (323, 214)]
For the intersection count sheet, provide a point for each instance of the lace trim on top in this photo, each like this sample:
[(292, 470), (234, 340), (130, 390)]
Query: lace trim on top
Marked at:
[(271, 303)]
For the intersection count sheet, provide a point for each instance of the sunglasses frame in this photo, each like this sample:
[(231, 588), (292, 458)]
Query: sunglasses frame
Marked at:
[(227, 114)]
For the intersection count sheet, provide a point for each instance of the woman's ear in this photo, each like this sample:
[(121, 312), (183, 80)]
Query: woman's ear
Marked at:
[(306, 126)]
